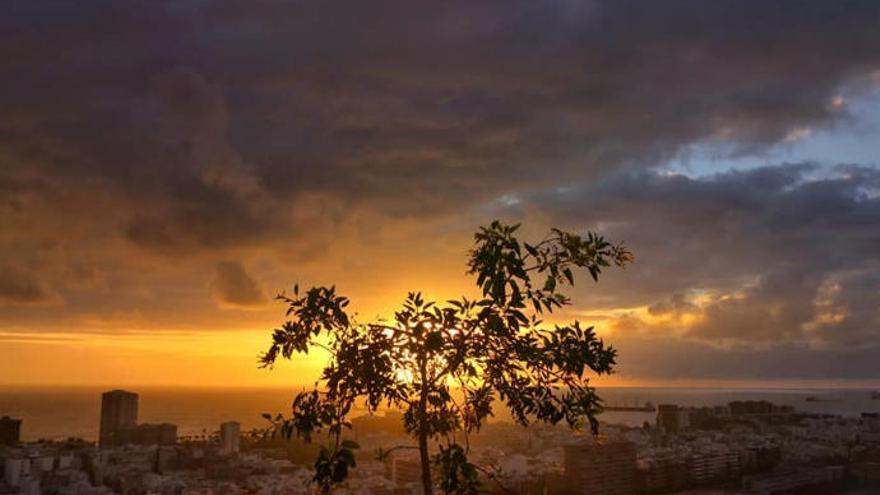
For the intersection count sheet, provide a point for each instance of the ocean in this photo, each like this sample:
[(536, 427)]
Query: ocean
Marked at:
[(61, 412)]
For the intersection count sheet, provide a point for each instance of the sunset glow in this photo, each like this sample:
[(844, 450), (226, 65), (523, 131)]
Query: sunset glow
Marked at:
[(161, 182)]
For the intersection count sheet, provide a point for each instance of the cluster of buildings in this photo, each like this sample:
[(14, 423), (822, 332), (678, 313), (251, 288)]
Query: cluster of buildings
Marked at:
[(749, 447), (129, 458), (740, 448), (119, 426)]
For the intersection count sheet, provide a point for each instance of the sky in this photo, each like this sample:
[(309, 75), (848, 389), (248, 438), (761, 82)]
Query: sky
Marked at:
[(167, 168)]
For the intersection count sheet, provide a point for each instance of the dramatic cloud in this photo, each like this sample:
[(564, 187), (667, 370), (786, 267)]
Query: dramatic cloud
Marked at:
[(17, 286), (216, 117), (145, 144), (661, 358), (766, 258), (235, 287)]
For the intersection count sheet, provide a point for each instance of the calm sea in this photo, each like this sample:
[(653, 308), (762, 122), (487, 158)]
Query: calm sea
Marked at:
[(55, 413)]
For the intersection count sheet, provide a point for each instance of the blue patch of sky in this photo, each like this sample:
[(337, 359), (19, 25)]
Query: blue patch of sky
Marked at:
[(852, 139)]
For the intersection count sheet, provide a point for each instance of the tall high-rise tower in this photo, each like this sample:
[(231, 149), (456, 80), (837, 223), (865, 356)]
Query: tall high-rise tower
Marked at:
[(119, 410), (230, 437), (10, 431)]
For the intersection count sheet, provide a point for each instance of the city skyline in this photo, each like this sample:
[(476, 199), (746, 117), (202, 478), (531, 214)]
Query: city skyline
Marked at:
[(336, 247), (746, 446), (165, 170)]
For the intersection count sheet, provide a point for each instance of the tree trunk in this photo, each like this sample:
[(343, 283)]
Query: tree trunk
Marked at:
[(427, 485), (426, 461)]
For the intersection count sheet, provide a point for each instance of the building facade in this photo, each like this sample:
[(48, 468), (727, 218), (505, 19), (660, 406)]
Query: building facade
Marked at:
[(10, 431), (119, 412), (599, 468), (230, 437), (148, 434)]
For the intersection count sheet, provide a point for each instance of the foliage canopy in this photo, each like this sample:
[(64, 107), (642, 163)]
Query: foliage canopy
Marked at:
[(448, 365)]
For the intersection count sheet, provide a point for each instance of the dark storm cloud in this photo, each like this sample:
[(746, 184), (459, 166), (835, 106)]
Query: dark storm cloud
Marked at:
[(677, 303), (776, 254), (234, 286), (670, 359), (210, 130), (18, 286), (215, 115)]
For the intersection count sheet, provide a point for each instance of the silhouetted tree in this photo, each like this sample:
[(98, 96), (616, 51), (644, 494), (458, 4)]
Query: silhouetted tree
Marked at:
[(446, 365)]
